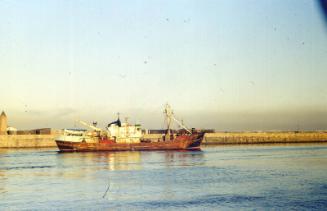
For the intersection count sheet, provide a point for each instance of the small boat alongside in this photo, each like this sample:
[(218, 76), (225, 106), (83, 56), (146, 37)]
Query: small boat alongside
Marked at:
[(125, 137)]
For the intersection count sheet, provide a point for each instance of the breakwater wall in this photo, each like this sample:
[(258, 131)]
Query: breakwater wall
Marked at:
[(38, 141), (27, 141), (264, 137)]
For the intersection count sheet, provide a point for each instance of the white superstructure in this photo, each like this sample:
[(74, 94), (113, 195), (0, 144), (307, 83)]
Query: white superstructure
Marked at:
[(71, 135), (125, 133), (116, 131)]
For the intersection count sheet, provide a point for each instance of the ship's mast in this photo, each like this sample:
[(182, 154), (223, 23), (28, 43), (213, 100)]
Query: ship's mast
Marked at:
[(170, 116), (126, 127)]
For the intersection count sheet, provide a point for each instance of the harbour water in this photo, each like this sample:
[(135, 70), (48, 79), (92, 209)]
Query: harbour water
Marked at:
[(280, 177)]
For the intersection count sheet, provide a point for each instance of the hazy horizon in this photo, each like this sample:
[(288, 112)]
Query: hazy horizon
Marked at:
[(225, 65)]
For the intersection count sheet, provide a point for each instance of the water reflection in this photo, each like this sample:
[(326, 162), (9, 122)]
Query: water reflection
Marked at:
[(184, 158), (2, 182), (129, 160), (103, 160)]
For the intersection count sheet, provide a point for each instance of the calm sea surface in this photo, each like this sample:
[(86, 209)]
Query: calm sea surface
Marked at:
[(280, 177)]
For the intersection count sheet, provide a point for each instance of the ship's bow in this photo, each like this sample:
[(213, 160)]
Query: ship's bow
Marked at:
[(195, 142)]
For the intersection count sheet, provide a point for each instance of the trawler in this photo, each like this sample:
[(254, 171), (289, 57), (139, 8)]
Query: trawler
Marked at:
[(120, 136)]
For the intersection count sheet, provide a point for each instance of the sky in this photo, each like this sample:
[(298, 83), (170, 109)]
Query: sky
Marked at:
[(226, 65)]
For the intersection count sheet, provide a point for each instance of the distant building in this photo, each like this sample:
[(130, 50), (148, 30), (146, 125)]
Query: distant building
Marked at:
[(207, 130), (3, 123), (41, 131), (163, 131)]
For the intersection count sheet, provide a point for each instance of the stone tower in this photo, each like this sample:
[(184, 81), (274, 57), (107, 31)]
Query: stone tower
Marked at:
[(3, 123)]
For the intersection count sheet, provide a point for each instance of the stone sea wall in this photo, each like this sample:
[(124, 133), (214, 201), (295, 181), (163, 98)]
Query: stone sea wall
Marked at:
[(25, 141), (264, 137)]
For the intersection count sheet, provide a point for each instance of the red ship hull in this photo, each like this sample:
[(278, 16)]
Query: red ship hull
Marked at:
[(182, 142)]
